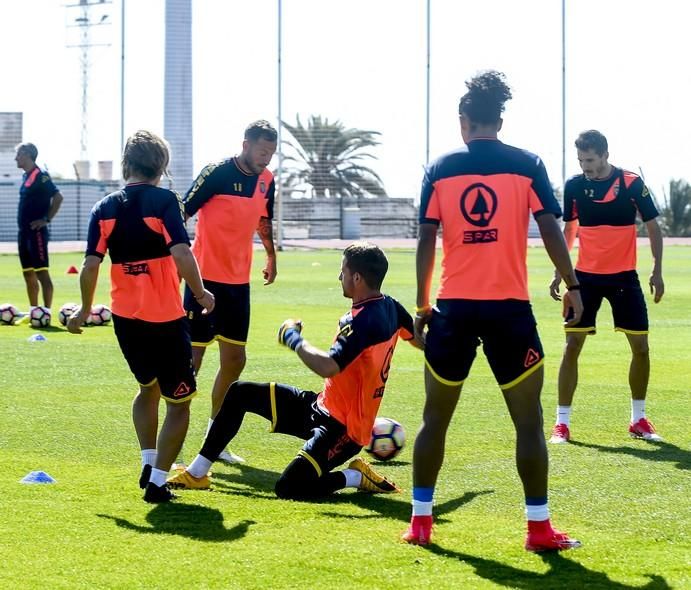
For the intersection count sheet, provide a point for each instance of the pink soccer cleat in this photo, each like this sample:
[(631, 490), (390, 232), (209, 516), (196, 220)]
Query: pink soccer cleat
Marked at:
[(643, 429), (560, 434), (419, 532), (542, 537)]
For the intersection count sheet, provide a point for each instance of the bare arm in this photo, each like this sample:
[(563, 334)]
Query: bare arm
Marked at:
[(266, 235), (187, 267), (88, 277), (555, 245), (424, 261), (657, 285), (317, 360), (290, 335)]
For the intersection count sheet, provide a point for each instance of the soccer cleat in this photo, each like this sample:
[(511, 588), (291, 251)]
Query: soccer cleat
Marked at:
[(371, 481), (548, 539), (186, 481), (154, 494), (231, 458), (144, 477), (560, 434), (419, 532), (644, 429)]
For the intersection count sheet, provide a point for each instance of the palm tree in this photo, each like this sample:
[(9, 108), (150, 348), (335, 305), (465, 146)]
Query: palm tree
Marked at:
[(676, 212), (324, 160)]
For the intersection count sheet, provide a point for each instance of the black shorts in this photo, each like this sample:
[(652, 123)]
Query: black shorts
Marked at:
[(33, 248), (507, 330), (230, 319), (625, 296), (159, 351), (297, 413)]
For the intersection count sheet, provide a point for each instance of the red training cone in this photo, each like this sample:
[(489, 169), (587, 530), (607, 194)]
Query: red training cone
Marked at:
[(72, 270)]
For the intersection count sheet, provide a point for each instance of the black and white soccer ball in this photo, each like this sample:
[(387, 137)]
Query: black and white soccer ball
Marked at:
[(39, 317), (388, 439), (66, 312), (9, 314), (100, 314)]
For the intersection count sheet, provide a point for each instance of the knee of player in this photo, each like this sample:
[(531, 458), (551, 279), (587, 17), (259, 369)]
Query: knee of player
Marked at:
[(287, 488), (573, 347), (529, 423), (233, 360), (236, 390), (641, 351), (178, 409)]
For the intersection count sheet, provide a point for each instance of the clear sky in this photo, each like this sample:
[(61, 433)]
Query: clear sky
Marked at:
[(363, 62)]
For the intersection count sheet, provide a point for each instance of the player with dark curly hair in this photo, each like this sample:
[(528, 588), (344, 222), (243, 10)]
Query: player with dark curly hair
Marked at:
[(483, 195)]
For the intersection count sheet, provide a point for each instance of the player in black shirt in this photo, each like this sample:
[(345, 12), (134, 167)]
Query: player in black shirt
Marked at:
[(39, 201)]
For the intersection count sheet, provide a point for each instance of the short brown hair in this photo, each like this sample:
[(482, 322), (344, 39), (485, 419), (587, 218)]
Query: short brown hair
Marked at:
[(592, 140), (369, 261), (261, 129), (146, 155)]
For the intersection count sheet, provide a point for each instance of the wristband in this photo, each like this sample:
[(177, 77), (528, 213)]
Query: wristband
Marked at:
[(574, 288), (423, 308), (292, 338)]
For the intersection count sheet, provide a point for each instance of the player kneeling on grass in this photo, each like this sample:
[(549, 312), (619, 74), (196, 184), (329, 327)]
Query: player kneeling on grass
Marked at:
[(141, 226), (337, 422)]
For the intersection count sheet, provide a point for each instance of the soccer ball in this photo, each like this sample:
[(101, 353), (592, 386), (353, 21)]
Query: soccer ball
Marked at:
[(39, 317), (8, 313), (66, 312), (388, 438), (100, 314)]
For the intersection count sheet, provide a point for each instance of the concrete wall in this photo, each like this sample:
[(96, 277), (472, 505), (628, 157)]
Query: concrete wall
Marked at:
[(302, 218)]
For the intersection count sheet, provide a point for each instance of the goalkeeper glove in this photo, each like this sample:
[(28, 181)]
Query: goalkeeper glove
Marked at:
[(289, 333)]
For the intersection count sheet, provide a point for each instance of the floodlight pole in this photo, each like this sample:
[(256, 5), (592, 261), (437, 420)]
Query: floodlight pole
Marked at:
[(563, 92), (279, 172), (427, 84), (122, 77)]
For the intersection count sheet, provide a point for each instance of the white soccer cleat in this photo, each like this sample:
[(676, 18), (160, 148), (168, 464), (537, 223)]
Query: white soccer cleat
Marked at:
[(227, 456)]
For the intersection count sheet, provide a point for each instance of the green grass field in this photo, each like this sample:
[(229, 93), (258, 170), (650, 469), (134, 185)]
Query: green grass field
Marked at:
[(65, 409)]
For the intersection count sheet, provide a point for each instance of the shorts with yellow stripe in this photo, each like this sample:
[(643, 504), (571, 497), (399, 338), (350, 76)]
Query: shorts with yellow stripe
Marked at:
[(159, 352), (625, 296), (228, 322), (506, 329), (296, 412)]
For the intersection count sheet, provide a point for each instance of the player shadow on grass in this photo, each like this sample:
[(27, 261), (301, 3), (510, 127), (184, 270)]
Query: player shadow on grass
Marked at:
[(562, 573), (263, 482), (654, 450), (390, 507), (244, 476), (187, 520)]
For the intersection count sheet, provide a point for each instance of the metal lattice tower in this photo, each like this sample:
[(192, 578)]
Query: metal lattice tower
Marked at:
[(90, 14)]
